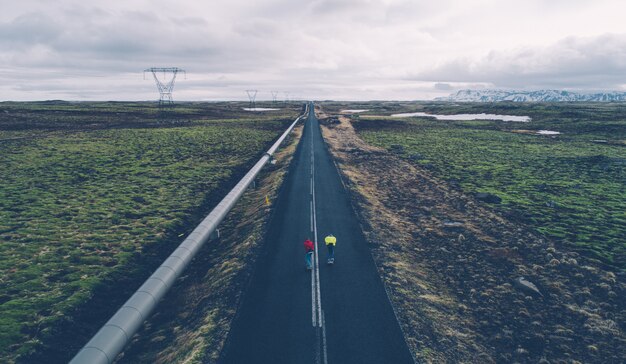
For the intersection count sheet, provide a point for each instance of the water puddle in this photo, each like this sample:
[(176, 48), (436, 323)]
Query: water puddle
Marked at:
[(536, 132), (259, 109), (466, 117), (353, 111)]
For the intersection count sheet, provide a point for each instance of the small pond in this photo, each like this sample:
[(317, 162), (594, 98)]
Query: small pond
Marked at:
[(464, 117), (353, 111), (548, 132)]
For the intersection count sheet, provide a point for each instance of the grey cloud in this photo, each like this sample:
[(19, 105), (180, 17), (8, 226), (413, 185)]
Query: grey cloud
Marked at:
[(443, 86), (332, 7), (28, 29), (357, 48), (109, 41), (258, 28), (585, 63)]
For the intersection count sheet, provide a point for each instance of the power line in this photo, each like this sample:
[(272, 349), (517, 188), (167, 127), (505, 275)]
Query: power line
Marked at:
[(252, 97), (165, 86)]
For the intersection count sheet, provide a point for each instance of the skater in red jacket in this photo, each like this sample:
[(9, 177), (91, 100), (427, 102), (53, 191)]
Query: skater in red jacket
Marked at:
[(309, 248)]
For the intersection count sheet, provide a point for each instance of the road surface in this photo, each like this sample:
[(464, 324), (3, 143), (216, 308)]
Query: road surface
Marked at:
[(333, 314)]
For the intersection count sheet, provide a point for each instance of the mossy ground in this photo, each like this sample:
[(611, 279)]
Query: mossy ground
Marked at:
[(570, 187), (86, 188), (192, 322), (451, 265)]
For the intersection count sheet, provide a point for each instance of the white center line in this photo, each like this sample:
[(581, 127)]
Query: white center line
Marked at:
[(313, 308), (311, 209), (315, 286), (324, 338), (317, 262), (316, 297)]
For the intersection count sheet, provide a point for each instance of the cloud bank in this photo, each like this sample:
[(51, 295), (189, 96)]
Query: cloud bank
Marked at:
[(572, 63), (319, 49)]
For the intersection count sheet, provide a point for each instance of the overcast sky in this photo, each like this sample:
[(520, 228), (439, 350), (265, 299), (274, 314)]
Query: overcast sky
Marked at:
[(316, 49)]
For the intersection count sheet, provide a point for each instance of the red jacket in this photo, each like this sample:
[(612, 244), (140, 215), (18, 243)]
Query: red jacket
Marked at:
[(308, 246)]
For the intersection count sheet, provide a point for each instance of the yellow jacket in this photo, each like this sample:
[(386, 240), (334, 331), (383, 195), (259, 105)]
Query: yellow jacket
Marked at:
[(330, 240)]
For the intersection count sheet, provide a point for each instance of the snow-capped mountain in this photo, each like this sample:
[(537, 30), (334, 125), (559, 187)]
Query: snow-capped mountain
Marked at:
[(531, 96)]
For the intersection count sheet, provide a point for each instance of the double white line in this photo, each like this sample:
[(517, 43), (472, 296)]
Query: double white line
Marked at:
[(316, 298), (316, 301)]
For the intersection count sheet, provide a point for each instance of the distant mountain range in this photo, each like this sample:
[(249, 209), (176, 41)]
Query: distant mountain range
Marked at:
[(531, 96)]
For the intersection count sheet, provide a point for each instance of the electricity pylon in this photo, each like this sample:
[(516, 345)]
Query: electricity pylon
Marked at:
[(252, 97), (274, 95), (165, 86)]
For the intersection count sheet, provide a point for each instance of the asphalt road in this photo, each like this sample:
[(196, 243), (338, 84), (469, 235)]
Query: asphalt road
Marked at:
[(333, 314)]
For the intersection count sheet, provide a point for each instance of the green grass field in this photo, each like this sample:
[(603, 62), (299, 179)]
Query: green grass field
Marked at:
[(570, 187), (84, 188)]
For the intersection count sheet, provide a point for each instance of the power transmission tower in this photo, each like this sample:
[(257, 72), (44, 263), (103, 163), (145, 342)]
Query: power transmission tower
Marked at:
[(274, 95), (252, 97), (286, 96), (165, 86)]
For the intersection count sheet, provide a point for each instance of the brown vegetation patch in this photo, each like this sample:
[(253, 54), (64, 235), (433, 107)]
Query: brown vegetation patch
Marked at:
[(452, 267)]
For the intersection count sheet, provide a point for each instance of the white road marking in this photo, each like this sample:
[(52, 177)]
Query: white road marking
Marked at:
[(311, 210), (313, 311), (324, 338), (316, 297), (313, 290), (313, 308), (316, 300), (317, 262)]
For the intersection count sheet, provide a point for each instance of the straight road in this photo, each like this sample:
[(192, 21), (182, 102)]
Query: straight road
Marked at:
[(333, 314)]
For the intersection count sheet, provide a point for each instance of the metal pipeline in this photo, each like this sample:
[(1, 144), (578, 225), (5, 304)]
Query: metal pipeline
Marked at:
[(111, 339)]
